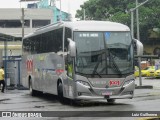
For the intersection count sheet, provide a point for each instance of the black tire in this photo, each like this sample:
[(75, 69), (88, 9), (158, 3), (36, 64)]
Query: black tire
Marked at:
[(77, 102), (111, 101), (60, 92), (32, 91)]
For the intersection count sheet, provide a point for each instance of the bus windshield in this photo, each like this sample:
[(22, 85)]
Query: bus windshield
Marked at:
[(104, 53)]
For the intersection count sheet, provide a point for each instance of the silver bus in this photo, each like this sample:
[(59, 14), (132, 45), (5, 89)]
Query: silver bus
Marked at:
[(80, 60)]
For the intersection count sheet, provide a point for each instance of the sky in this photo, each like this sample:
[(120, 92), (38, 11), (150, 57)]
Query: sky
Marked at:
[(66, 5)]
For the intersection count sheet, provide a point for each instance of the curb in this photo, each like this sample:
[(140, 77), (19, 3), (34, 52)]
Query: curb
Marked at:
[(144, 87), (18, 88)]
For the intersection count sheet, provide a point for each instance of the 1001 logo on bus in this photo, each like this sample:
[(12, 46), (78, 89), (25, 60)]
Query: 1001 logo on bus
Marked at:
[(29, 64), (114, 82)]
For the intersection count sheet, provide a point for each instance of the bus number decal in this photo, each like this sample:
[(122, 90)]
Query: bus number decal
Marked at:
[(114, 83)]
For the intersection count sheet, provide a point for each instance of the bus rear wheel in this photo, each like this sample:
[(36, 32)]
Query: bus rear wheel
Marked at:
[(111, 101)]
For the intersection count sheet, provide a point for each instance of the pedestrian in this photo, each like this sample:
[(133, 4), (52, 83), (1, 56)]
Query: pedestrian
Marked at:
[(2, 78)]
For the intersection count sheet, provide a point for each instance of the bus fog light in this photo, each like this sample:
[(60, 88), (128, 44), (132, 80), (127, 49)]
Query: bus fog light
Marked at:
[(83, 83), (128, 82)]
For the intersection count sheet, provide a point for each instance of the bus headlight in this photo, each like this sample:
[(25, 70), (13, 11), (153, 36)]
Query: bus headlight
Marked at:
[(128, 82), (86, 84)]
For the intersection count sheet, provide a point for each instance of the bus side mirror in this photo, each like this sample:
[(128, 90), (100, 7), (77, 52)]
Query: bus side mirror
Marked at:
[(139, 47), (72, 47)]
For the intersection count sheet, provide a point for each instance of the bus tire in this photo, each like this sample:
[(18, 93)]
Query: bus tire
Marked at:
[(111, 101), (32, 91), (60, 92)]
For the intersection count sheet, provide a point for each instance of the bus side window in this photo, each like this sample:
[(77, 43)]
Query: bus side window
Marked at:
[(67, 35), (59, 39)]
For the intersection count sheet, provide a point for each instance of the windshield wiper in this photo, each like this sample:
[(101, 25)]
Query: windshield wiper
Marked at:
[(96, 73), (96, 66), (114, 63), (95, 70)]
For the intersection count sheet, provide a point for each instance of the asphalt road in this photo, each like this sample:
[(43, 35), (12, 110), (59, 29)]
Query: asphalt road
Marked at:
[(145, 100)]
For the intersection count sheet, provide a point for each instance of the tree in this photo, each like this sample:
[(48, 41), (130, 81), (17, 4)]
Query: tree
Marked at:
[(118, 11), (114, 10)]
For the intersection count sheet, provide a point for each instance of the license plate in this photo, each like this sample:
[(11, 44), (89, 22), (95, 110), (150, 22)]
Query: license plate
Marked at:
[(107, 93)]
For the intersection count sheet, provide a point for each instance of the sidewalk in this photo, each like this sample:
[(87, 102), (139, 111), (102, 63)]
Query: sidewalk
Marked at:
[(150, 87), (155, 83)]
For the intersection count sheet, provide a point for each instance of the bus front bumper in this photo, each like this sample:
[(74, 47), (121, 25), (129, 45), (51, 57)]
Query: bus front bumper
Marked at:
[(104, 97), (122, 92)]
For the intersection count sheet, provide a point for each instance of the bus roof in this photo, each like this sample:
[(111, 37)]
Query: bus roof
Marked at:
[(96, 26), (83, 26)]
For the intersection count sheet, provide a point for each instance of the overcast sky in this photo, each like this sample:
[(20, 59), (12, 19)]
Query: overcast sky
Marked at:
[(66, 5)]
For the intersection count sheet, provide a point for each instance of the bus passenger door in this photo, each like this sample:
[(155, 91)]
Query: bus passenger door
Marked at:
[(70, 68), (70, 75)]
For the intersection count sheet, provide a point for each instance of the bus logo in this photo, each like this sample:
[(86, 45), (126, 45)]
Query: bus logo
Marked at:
[(29, 65), (114, 82), (59, 71)]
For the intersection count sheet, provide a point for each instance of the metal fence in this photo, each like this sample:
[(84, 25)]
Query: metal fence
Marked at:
[(13, 71)]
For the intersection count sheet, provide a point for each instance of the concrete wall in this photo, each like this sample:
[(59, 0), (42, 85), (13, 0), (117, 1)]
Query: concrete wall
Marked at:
[(29, 14), (14, 48)]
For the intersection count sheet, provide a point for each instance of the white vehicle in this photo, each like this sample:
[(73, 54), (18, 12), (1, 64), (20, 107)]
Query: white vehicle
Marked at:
[(80, 60)]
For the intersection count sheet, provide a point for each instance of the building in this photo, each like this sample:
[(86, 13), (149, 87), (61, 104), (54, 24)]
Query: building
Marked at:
[(11, 24), (11, 32), (51, 4), (36, 15)]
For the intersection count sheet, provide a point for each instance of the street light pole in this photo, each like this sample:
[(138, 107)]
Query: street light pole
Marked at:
[(133, 9), (84, 14), (138, 37), (60, 16), (5, 59), (132, 23), (132, 19), (137, 17), (132, 32), (22, 21)]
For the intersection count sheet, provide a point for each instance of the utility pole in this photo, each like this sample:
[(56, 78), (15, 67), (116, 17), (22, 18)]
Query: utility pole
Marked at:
[(137, 18), (22, 21), (60, 16), (132, 19), (5, 59), (138, 36), (84, 14)]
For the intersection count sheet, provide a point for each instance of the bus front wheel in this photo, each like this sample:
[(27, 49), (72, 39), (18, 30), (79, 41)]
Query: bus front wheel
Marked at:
[(32, 91), (60, 92)]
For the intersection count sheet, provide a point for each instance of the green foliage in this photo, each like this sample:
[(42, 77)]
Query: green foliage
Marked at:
[(119, 11)]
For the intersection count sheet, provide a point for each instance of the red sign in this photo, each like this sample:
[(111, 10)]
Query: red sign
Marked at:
[(59, 71), (29, 65), (114, 82)]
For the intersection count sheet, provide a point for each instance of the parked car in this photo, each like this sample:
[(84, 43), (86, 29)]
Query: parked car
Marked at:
[(157, 73), (148, 71)]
